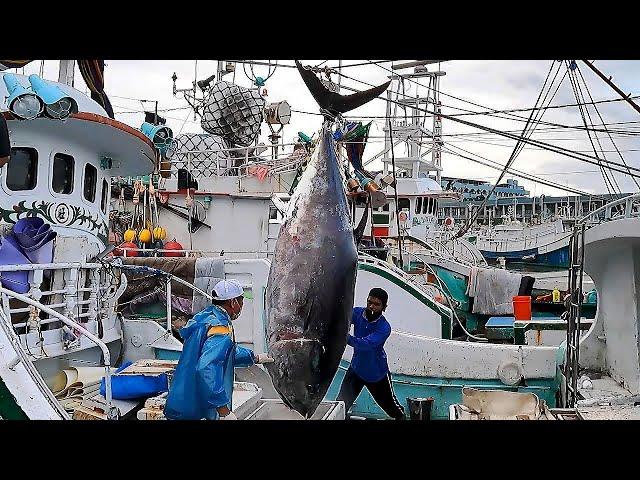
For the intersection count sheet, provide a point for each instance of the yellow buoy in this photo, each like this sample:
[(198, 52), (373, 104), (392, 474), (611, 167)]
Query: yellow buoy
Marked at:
[(159, 233), (130, 235), (145, 235)]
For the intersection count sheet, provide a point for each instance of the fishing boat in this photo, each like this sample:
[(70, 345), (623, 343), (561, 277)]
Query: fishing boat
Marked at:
[(66, 352), (599, 372), (424, 358)]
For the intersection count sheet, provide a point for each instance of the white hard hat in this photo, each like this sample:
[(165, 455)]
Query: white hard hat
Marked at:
[(227, 289)]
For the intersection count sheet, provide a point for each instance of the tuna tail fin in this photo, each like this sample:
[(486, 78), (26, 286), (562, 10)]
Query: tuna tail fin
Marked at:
[(335, 103)]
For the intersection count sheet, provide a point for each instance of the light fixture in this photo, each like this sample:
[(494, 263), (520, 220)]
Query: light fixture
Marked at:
[(278, 113), (58, 105), (160, 135), (21, 102)]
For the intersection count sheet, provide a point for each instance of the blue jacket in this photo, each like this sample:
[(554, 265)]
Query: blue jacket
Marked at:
[(369, 361), (203, 380)]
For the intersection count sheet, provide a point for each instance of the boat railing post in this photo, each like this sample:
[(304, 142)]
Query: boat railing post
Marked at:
[(168, 304)]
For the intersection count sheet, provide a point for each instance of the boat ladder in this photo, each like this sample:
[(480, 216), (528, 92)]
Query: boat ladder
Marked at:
[(574, 305)]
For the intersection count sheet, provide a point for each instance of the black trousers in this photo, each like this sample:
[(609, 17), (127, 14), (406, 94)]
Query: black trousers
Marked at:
[(381, 391)]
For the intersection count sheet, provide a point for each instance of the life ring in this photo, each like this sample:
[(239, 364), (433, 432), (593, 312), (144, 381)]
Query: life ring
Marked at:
[(403, 216), (448, 222), (510, 373)]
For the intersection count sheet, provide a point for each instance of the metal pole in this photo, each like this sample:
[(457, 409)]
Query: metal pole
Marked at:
[(417, 63), (436, 152), (612, 85), (395, 194), (168, 304)]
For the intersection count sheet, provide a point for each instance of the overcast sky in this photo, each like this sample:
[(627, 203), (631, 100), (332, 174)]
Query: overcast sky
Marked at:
[(492, 84)]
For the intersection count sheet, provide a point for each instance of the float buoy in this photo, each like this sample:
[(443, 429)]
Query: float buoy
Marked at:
[(173, 245), (448, 222), (145, 235), (129, 247), (130, 235), (159, 233)]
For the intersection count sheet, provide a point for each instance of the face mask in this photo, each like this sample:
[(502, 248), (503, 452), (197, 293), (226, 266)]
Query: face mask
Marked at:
[(236, 315)]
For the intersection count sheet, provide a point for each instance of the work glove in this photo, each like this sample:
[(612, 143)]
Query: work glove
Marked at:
[(231, 416), (263, 358)]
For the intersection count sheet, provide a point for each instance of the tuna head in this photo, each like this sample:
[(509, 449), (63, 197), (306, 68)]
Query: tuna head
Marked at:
[(299, 365)]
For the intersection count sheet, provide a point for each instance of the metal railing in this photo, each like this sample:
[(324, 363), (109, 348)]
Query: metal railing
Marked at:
[(625, 207), (232, 162), (75, 288), (111, 409)]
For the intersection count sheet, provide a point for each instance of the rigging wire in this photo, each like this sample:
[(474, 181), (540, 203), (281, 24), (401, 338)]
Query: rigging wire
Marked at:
[(491, 112), (609, 184), (526, 133), (603, 123)]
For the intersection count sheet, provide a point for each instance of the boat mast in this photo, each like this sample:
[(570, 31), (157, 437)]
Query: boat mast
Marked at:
[(608, 81), (66, 71), (414, 130)]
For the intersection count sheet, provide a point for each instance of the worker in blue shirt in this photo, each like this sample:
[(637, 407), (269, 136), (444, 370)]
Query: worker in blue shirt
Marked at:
[(202, 384), (369, 362)]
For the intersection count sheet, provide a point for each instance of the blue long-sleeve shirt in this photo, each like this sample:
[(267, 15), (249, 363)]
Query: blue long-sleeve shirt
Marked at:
[(369, 359)]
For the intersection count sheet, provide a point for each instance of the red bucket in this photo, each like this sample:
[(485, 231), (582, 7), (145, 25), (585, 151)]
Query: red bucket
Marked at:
[(522, 307)]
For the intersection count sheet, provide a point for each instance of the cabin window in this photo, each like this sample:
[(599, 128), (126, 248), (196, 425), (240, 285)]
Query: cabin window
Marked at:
[(62, 173), (426, 206), (385, 207), (403, 204), (90, 180), (273, 213), (22, 169), (418, 204), (433, 208), (105, 195)]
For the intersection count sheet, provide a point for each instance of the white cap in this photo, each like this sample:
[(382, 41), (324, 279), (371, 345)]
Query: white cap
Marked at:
[(227, 289)]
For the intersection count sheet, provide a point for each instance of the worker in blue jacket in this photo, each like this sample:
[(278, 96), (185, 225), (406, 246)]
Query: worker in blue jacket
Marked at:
[(202, 385), (369, 362)]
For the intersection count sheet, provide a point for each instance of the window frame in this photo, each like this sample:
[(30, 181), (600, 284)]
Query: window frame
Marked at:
[(104, 196), (52, 173), (8, 166), (84, 179)]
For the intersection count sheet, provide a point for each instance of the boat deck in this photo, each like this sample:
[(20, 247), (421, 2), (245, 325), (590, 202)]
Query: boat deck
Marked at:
[(607, 400)]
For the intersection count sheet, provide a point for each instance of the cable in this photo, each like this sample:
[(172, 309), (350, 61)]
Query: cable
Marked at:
[(516, 150), (493, 112), (607, 181), (603, 122), (517, 173)]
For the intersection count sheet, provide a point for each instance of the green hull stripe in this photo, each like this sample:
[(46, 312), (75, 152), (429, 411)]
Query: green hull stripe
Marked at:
[(9, 409)]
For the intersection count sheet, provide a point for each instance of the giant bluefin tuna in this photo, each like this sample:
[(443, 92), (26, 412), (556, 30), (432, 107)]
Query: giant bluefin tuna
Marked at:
[(313, 273)]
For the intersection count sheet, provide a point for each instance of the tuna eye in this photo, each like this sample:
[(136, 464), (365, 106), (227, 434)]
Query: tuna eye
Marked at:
[(313, 388)]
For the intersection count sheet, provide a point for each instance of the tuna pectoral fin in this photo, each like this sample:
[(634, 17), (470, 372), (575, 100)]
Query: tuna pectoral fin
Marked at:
[(358, 232), (334, 102), (307, 313)]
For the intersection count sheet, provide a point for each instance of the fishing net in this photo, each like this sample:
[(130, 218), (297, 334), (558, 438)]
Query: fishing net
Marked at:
[(234, 113), (201, 153)]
